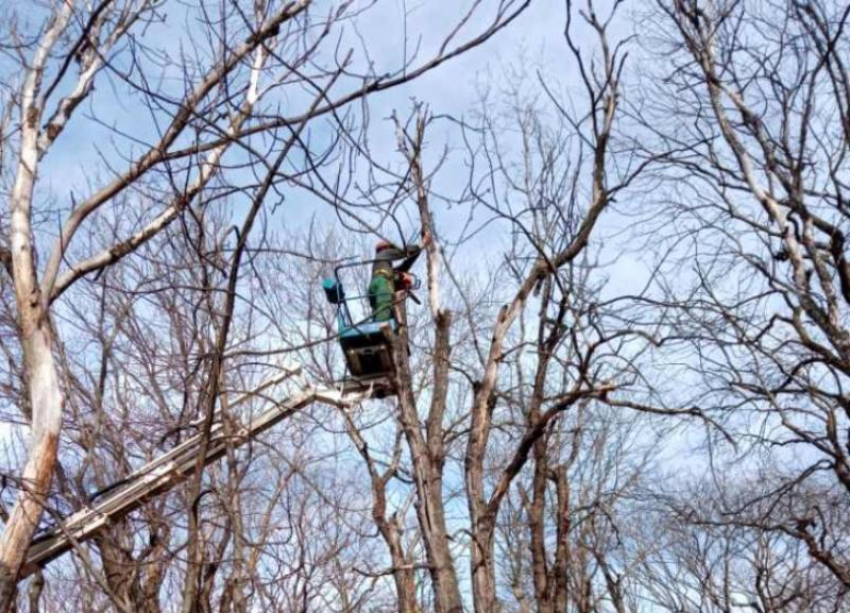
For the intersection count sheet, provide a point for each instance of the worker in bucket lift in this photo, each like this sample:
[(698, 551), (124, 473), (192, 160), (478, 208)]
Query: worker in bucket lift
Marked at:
[(387, 279)]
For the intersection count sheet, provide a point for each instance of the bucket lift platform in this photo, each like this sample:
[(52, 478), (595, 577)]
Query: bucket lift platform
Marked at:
[(368, 349), (366, 342)]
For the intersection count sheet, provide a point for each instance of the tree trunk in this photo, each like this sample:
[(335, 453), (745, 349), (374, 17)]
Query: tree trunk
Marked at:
[(403, 574), (483, 576), (43, 390), (537, 527), (428, 476)]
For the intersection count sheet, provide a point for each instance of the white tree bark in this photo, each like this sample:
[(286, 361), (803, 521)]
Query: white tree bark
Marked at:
[(43, 389)]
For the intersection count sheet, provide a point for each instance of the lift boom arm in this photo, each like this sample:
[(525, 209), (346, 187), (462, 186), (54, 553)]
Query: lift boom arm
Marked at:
[(173, 467)]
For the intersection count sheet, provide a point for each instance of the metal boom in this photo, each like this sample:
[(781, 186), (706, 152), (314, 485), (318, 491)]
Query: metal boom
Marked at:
[(165, 472)]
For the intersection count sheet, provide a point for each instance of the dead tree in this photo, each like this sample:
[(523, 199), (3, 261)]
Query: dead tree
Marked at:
[(227, 95), (554, 235), (757, 188)]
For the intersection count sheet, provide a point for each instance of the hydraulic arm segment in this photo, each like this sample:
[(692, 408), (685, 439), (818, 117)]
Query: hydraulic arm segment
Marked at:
[(167, 471)]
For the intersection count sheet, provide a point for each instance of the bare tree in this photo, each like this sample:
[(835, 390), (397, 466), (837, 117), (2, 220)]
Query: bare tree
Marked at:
[(753, 113), (552, 228), (242, 60), (226, 105), (701, 562), (514, 468)]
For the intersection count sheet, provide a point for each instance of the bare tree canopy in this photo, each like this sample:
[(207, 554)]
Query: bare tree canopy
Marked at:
[(491, 306)]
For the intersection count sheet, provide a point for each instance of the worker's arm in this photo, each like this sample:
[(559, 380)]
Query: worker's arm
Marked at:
[(393, 254), (410, 256)]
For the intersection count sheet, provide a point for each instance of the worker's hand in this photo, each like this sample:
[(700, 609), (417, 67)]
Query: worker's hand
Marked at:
[(406, 280)]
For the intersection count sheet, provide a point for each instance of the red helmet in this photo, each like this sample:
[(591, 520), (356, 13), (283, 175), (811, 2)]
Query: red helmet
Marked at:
[(381, 245)]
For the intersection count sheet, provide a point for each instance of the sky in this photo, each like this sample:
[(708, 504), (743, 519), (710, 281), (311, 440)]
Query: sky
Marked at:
[(534, 42), (531, 48)]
